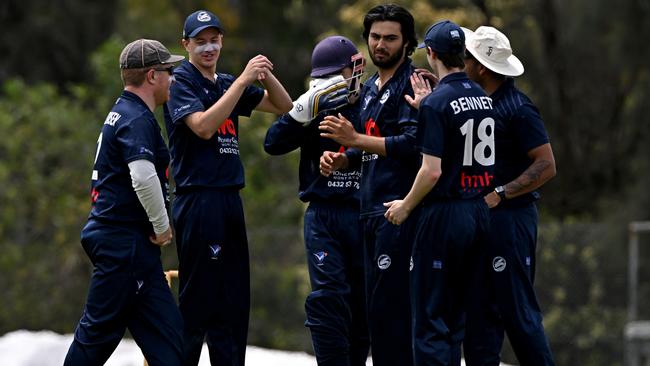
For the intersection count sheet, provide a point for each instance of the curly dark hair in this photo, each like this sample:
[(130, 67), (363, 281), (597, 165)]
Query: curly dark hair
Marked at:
[(395, 13)]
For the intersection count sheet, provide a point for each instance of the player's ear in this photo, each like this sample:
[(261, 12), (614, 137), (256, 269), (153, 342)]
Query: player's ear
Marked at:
[(150, 76), (482, 70), (185, 42)]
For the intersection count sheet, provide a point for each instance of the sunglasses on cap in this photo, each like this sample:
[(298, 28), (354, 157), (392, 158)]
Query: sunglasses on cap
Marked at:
[(169, 70)]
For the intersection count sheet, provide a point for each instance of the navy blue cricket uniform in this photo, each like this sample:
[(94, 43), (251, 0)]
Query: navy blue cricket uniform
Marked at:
[(508, 299), (214, 278), (456, 124), (385, 113), (128, 287), (335, 308)]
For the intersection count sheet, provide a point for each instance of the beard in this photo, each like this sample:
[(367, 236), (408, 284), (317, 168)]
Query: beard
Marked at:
[(388, 61)]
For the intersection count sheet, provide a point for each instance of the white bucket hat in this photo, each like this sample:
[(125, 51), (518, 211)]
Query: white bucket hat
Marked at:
[(492, 49)]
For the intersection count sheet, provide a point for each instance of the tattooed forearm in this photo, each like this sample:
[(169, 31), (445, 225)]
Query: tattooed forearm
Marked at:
[(531, 179)]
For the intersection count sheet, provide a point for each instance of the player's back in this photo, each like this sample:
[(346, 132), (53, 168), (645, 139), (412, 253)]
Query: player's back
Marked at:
[(456, 124)]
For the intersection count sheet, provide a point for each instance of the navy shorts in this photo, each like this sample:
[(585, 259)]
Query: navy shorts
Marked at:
[(445, 263), (214, 279), (388, 254), (335, 308), (505, 297), (128, 289)]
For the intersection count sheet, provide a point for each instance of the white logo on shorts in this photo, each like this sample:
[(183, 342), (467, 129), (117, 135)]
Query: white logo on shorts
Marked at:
[(411, 264), (383, 261), (498, 264)]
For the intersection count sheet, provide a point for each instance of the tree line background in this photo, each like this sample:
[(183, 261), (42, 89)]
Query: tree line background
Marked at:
[(586, 69)]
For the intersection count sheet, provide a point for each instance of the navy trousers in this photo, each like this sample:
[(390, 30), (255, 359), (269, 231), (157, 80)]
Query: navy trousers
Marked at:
[(214, 276), (335, 308), (506, 297), (127, 290), (445, 261), (388, 253)]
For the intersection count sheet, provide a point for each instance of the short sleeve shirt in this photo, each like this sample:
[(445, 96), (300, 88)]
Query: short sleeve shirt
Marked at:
[(130, 132), (456, 124), (212, 163), (519, 129)]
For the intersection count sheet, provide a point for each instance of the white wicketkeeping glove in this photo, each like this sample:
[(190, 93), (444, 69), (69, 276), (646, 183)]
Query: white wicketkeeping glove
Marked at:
[(323, 95)]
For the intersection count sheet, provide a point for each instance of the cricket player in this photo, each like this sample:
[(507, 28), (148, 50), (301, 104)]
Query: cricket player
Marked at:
[(128, 222), (202, 119), (456, 138), (335, 308), (390, 162), (524, 162)]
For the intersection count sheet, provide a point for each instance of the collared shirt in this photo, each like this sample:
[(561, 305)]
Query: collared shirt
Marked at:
[(286, 135), (385, 113), (199, 163), (130, 133), (456, 124), (519, 129)]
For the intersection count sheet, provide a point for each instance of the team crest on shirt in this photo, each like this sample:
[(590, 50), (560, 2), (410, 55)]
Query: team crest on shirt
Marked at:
[(383, 262), (214, 251), (499, 264), (320, 257), (385, 97), (366, 100), (437, 264)]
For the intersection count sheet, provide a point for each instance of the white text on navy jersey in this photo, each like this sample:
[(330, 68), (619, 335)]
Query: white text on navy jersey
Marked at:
[(463, 104), (112, 118)]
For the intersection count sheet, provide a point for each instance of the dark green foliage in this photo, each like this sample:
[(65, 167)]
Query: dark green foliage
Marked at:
[(45, 158), (44, 40)]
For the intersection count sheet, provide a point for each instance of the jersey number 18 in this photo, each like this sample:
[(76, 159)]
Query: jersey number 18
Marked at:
[(483, 152)]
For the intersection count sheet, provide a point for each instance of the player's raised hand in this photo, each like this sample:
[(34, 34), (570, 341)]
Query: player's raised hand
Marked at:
[(162, 239), (339, 129), (331, 161), (422, 82), (427, 75), (257, 69)]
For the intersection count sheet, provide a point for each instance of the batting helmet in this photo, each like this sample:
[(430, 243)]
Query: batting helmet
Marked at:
[(331, 55)]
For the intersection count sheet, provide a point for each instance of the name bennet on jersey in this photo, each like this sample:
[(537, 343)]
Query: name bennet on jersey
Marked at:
[(463, 104)]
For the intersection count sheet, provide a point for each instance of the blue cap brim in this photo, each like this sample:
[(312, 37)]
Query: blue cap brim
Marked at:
[(422, 45), (199, 29)]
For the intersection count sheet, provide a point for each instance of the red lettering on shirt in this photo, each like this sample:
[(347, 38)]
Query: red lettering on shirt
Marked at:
[(227, 128), (372, 129), (94, 195), (475, 180)]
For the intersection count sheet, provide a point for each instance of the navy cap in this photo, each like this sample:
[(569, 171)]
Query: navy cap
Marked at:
[(444, 37), (331, 55), (198, 21)]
